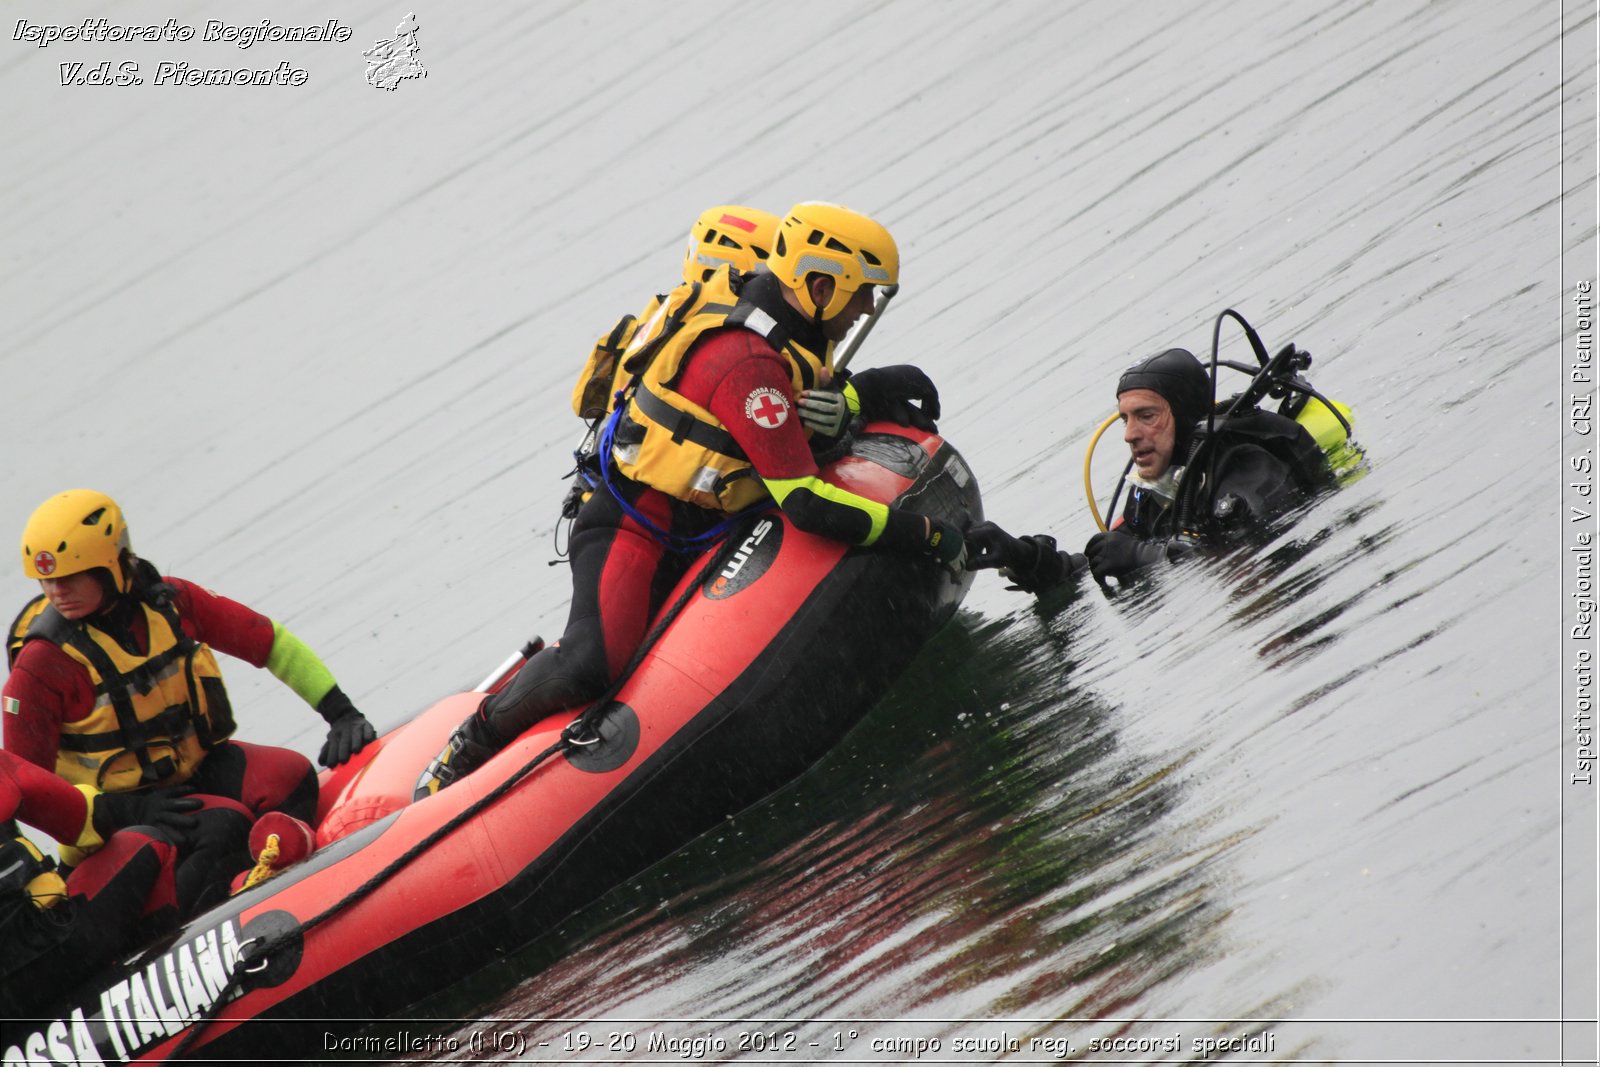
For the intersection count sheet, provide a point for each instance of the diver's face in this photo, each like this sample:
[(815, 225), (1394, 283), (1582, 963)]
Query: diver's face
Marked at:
[(1150, 431)]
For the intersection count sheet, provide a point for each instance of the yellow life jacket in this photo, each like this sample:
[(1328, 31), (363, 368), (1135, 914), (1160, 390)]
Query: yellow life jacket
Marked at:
[(668, 442), (155, 715), (603, 374), (24, 868)]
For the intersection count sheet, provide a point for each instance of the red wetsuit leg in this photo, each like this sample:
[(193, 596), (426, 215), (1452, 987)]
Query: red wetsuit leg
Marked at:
[(620, 573), (133, 876), (262, 777)]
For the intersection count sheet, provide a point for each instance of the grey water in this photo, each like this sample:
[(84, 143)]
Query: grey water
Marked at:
[(318, 339)]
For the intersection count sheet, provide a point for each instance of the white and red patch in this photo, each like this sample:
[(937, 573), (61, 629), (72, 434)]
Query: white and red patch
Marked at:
[(767, 408), (44, 563)]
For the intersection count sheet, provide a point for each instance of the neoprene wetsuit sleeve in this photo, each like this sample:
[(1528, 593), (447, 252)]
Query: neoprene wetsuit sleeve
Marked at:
[(821, 508), (296, 666), (817, 507)]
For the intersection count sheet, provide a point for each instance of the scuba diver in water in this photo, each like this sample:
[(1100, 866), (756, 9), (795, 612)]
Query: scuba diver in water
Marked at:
[(1200, 473), (113, 683), (705, 428), (56, 928)]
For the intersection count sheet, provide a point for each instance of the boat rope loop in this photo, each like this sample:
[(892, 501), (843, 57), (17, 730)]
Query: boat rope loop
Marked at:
[(264, 864), (581, 732)]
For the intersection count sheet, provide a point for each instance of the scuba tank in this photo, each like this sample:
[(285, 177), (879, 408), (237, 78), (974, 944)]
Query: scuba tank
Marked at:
[(1330, 424)]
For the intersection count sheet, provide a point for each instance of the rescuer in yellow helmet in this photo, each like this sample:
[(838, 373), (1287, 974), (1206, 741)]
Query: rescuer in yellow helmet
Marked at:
[(706, 428), (113, 683)]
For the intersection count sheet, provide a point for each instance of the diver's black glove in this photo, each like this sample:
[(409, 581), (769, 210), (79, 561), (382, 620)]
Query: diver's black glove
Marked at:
[(1117, 555), (348, 730), (163, 809), (888, 392), (1031, 562)]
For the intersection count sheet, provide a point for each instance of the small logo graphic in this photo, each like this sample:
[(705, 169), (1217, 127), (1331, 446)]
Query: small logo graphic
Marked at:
[(13, 706), (749, 561), (767, 408), (44, 563), (391, 62)]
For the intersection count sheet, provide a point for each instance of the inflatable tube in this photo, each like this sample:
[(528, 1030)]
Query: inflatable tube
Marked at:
[(784, 642)]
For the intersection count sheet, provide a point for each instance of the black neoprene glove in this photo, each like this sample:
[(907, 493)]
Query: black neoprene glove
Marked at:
[(348, 730), (889, 392), (946, 544), (1031, 562), (1117, 555), (164, 809)]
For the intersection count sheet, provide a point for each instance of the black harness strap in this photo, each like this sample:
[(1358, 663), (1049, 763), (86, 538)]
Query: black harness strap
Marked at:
[(686, 426)]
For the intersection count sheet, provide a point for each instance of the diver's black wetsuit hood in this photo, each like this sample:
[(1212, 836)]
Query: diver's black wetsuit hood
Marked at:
[(1181, 380)]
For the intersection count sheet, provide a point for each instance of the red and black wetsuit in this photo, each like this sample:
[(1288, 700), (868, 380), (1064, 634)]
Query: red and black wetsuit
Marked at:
[(47, 688), (622, 574)]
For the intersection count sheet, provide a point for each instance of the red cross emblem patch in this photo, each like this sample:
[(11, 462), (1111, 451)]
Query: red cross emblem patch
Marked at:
[(44, 563), (767, 408)]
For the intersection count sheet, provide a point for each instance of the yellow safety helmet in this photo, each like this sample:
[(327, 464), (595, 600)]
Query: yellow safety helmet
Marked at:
[(73, 532), (823, 238), (728, 234)]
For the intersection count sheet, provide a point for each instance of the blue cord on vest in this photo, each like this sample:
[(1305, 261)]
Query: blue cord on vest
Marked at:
[(673, 542)]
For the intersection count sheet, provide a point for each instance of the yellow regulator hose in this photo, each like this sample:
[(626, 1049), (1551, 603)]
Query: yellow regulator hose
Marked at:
[(1088, 482)]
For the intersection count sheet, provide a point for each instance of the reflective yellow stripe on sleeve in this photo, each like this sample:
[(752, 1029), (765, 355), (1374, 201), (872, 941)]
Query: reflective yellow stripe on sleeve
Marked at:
[(832, 494)]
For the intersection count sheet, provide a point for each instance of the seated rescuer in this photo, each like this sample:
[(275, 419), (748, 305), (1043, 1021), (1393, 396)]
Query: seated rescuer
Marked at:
[(1251, 468), (56, 929), (114, 685), (705, 431)]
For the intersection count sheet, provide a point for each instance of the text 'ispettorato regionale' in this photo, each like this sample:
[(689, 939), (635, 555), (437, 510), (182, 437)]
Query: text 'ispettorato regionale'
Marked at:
[(241, 35)]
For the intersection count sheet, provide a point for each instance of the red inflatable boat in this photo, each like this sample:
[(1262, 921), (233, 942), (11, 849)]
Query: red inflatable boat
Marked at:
[(781, 643)]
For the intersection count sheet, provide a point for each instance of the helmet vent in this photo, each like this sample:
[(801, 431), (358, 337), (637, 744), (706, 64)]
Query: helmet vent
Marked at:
[(728, 242), (837, 245), (62, 547), (761, 253), (94, 517), (815, 238), (870, 258), (781, 248)]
